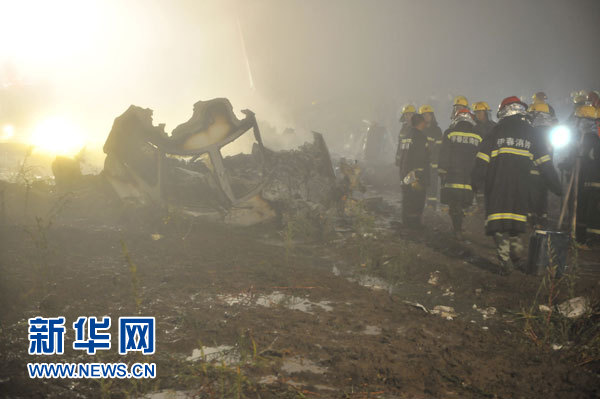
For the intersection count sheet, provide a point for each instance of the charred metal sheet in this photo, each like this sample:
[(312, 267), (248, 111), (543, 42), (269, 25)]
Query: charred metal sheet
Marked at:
[(215, 165), (188, 168)]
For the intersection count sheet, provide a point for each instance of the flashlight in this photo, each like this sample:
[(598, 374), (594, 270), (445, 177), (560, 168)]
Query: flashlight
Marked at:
[(560, 136)]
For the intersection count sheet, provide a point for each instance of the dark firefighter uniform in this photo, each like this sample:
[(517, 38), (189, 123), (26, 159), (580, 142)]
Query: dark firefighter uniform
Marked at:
[(434, 140), (591, 185), (502, 170), (587, 147), (484, 124), (413, 161), (407, 112), (542, 121), (484, 128), (457, 158)]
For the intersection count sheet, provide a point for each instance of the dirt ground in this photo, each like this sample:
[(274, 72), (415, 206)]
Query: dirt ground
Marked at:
[(352, 314)]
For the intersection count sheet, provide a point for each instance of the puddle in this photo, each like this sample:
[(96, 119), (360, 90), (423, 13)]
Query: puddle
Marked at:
[(168, 395), (372, 330), (292, 302), (221, 353), (298, 364), (374, 283), (277, 298), (321, 387), (237, 299), (268, 380)]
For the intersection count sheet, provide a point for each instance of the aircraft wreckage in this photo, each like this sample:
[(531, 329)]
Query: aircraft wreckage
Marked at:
[(215, 165)]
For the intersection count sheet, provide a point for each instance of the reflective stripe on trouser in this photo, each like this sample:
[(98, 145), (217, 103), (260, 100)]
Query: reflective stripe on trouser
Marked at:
[(508, 248)]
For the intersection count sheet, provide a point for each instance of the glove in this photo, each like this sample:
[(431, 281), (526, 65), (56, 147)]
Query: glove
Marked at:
[(409, 179), (416, 185)]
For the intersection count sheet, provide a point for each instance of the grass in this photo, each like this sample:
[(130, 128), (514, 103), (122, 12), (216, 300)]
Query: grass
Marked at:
[(39, 235), (133, 272), (547, 327)]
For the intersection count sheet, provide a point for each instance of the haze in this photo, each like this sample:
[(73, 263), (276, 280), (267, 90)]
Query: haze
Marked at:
[(318, 65)]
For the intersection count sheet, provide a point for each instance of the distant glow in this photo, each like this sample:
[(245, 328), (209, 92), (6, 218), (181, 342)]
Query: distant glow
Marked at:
[(57, 136), (42, 33), (8, 131), (560, 136)]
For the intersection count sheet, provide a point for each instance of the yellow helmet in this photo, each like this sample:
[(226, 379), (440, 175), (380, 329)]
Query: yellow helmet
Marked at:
[(408, 108), (586, 111), (539, 107), (481, 106), (461, 100), (425, 108)]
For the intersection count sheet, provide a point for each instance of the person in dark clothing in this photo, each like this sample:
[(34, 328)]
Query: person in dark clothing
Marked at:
[(484, 124), (434, 139), (407, 112), (458, 103), (591, 186), (542, 121), (413, 162), (502, 170), (586, 148), (541, 98), (457, 158)]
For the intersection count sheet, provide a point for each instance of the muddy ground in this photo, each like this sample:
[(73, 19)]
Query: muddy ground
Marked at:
[(283, 310)]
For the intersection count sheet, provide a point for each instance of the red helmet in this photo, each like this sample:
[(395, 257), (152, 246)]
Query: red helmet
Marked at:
[(463, 114), (463, 111), (511, 100)]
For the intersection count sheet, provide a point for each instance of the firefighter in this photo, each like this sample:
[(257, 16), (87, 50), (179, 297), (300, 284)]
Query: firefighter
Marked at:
[(502, 170), (413, 162), (484, 122), (459, 103), (580, 99), (407, 112), (591, 187), (542, 121), (434, 139), (587, 149), (541, 98), (457, 157)]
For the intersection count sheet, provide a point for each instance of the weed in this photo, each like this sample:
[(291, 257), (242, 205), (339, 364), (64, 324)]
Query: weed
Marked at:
[(363, 226), (135, 289), (542, 323), (39, 236)]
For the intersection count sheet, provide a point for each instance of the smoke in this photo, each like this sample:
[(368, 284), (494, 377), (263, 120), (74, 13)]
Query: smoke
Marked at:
[(305, 64)]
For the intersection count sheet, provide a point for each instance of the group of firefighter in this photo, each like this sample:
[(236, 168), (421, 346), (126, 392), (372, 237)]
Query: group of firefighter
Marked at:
[(506, 165)]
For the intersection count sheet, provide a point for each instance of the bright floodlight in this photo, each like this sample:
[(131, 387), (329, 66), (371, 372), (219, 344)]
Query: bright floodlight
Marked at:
[(57, 136), (560, 136), (8, 131)]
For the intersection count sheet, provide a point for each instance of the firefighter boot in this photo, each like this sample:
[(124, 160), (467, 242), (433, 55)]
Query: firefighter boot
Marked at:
[(457, 215), (504, 254)]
